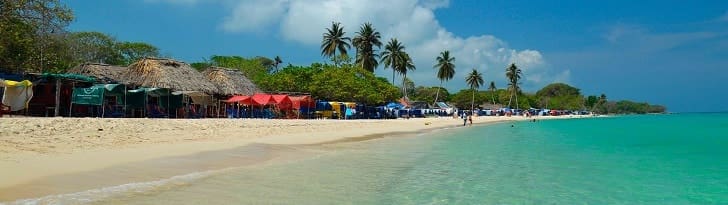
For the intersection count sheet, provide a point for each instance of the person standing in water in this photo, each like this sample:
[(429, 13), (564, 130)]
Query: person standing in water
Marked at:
[(465, 119)]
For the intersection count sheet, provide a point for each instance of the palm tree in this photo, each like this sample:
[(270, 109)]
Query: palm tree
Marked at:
[(513, 73), (364, 42), (392, 55), (277, 61), (446, 69), (403, 67), (333, 40), (474, 80), (492, 91)]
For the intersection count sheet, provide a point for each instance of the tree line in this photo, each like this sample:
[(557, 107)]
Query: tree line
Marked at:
[(34, 38)]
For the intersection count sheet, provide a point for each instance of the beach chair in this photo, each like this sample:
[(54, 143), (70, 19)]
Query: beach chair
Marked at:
[(4, 109), (232, 113), (114, 112), (194, 113), (154, 111)]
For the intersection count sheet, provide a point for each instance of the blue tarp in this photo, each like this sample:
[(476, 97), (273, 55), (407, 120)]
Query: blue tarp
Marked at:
[(323, 105), (395, 105)]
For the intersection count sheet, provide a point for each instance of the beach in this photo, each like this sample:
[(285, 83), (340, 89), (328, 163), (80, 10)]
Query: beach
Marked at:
[(35, 149)]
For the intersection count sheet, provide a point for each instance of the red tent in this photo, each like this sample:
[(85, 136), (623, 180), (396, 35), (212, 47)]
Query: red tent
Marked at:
[(302, 101), (283, 101), (239, 99), (262, 99)]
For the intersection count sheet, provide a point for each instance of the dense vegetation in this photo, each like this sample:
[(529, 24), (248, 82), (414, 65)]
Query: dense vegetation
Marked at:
[(33, 38)]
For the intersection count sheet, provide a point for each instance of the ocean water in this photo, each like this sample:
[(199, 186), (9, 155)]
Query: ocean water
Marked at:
[(653, 159)]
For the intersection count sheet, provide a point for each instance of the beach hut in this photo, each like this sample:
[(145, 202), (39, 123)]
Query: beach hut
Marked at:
[(104, 73), (229, 82), (175, 76), (52, 92), (167, 73)]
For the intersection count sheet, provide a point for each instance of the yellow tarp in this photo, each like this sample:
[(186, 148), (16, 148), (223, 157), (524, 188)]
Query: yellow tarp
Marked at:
[(10, 83), (17, 95)]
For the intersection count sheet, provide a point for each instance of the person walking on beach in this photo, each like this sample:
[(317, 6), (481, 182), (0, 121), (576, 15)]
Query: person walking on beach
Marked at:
[(465, 119), (470, 118)]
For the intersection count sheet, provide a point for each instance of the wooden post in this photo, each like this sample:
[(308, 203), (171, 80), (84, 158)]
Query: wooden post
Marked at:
[(58, 97)]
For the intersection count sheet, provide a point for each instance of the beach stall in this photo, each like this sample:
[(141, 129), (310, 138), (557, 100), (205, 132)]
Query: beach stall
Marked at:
[(52, 92), (236, 101), (283, 106), (229, 83), (107, 99), (323, 109), (304, 104), (261, 108), (157, 73)]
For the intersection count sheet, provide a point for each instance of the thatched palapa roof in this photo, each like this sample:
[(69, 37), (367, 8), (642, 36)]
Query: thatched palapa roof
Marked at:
[(230, 82), (103, 73), (167, 73)]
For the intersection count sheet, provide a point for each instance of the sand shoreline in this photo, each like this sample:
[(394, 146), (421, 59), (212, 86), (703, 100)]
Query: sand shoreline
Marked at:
[(33, 149)]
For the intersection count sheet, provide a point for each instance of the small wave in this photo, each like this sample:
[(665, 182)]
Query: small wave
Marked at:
[(95, 195)]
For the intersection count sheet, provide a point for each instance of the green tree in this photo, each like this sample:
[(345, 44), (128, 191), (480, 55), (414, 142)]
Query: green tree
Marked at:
[(254, 68), (29, 31), (513, 74), (591, 101), (428, 94), (492, 89), (364, 42), (95, 47), (393, 56), (133, 51), (558, 89), (333, 40), (560, 96), (464, 99), (445, 69), (474, 80)]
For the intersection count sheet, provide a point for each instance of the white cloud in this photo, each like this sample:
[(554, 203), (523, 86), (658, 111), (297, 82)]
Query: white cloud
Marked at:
[(619, 31), (254, 15), (413, 22)]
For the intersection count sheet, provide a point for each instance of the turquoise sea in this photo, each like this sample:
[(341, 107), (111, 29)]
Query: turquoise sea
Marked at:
[(649, 159)]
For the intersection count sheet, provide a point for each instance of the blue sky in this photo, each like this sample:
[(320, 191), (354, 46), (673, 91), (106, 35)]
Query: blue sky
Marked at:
[(667, 52)]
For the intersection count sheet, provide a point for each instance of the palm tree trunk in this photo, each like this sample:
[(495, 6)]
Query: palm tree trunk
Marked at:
[(438, 92), (393, 83), (509, 100), (492, 96), (472, 103), (516, 99), (404, 84)]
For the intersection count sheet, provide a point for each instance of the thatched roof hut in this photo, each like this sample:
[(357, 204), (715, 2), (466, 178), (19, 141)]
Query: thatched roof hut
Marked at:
[(230, 82), (103, 73), (167, 73)]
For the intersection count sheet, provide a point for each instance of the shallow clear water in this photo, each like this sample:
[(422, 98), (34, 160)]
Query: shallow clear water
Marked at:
[(660, 159)]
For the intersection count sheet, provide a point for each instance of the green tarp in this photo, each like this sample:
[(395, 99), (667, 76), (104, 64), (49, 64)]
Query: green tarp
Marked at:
[(69, 76), (88, 96), (95, 94)]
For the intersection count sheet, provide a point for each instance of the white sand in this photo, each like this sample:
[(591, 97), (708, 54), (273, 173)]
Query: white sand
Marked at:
[(33, 148)]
